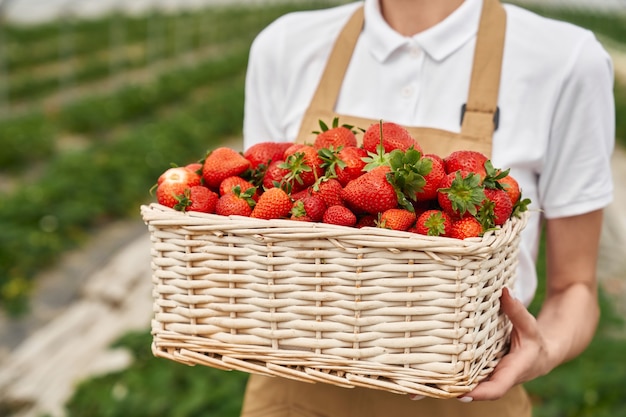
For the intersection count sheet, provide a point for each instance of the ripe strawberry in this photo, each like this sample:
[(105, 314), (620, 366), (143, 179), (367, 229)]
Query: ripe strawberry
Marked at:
[(339, 215), (465, 228), (334, 137), (229, 183), (173, 182), (197, 198), (496, 209), (433, 223), (330, 191), (460, 194), (433, 179), (511, 186), (394, 137), (465, 160), (304, 164), (367, 220), (236, 202), (265, 153), (345, 164), (195, 167), (274, 203), (371, 192), (275, 176), (312, 206), (397, 219), (222, 163)]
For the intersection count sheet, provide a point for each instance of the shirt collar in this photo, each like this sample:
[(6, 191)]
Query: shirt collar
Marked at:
[(438, 41)]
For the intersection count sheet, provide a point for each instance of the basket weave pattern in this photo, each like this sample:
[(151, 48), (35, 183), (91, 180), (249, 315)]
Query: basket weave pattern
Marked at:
[(314, 302)]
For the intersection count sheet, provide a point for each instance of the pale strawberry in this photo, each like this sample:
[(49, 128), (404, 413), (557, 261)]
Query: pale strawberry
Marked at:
[(274, 203), (397, 219), (371, 192), (182, 175), (339, 215), (222, 163), (173, 183), (394, 136), (334, 137)]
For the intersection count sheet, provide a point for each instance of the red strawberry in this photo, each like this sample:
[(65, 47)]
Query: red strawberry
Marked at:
[(197, 198), (460, 194), (367, 220), (397, 219), (334, 137), (339, 215), (465, 160), (511, 186), (275, 175), (311, 206), (433, 223), (195, 167), (231, 182), (353, 164), (304, 164), (274, 203), (222, 163), (394, 137), (465, 228), (371, 192), (433, 179), (497, 207), (330, 191), (266, 152), (173, 183), (236, 202)]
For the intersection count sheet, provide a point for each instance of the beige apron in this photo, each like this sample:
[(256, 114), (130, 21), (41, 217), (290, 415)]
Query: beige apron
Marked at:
[(279, 397)]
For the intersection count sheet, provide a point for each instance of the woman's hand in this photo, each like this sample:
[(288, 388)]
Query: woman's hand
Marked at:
[(527, 359)]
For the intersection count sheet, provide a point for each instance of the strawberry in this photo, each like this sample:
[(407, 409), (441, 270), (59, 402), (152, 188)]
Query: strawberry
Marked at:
[(195, 167), (339, 215), (181, 175), (367, 220), (222, 163), (334, 137), (465, 228), (304, 164), (313, 206), (465, 160), (330, 191), (229, 183), (460, 193), (265, 153), (345, 163), (197, 198), (496, 209), (397, 219), (275, 176), (173, 183), (511, 186), (371, 192), (394, 136), (433, 223), (433, 179), (236, 202), (274, 203)]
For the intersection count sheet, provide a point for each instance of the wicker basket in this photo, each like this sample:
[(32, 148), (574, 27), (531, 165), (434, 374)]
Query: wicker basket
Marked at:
[(351, 307)]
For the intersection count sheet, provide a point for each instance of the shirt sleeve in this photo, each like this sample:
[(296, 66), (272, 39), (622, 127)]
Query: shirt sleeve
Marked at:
[(576, 176)]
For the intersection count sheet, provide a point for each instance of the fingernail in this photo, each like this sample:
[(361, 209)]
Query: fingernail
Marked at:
[(465, 399), (417, 397)]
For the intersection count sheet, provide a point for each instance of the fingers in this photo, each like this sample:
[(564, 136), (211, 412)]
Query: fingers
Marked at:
[(520, 317)]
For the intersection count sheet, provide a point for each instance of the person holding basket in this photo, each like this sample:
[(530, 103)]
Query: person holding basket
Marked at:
[(534, 94)]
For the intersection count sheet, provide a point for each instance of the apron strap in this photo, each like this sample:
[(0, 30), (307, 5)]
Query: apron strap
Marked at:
[(480, 110)]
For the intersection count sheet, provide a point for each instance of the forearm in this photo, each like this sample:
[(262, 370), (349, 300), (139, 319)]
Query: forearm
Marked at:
[(568, 321)]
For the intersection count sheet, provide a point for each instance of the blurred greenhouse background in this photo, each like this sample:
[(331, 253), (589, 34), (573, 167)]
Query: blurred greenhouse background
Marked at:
[(98, 97)]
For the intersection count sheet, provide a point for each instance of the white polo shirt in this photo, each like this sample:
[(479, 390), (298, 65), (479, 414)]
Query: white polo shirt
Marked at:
[(557, 117)]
